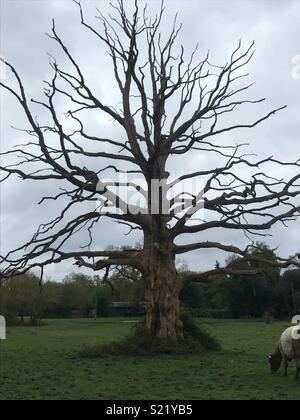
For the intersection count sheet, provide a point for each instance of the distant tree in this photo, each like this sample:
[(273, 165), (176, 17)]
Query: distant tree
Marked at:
[(102, 297), (128, 285), (78, 295), (291, 279), (51, 299), (191, 295), (21, 297), (252, 295)]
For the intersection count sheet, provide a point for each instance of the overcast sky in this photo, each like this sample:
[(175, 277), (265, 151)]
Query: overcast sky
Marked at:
[(215, 25)]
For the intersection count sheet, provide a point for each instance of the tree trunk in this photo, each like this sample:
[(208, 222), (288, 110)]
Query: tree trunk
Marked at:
[(162, 290)]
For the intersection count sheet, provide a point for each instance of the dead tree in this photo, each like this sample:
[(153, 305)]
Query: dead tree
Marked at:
[(149, 72)]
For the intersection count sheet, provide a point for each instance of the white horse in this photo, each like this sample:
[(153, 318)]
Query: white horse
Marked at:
[(288, 349)]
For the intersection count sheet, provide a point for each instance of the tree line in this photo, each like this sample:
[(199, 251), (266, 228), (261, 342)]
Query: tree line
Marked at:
[(245, 296), (24, 299), (271, 293)]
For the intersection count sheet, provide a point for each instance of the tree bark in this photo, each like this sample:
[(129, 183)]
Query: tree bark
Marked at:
[(162, 289)]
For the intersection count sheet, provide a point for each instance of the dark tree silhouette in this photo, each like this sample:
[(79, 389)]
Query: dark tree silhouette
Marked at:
[(150, 72)]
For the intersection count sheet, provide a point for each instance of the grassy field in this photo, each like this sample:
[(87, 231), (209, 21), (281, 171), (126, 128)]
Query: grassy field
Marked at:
[(43, 363)]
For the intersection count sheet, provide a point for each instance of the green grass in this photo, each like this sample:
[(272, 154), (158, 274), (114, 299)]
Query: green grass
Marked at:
[(43, 363)]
